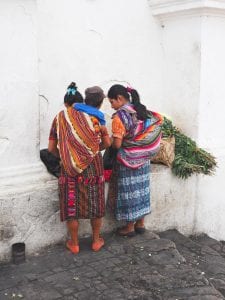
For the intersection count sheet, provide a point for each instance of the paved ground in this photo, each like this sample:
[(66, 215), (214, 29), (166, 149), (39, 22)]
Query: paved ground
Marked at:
[(165, 266)]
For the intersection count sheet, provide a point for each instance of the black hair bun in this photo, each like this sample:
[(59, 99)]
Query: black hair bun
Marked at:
[(72, 85)]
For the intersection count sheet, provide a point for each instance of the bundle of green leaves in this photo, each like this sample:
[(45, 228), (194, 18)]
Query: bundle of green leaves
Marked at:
[(189, 158)]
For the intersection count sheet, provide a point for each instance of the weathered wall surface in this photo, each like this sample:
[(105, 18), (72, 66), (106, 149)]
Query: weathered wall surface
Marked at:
[(31, 216), (121, 41), (18, 84), (97, 43), (193, 82), (210, 211), (27, 192), (166, 49)]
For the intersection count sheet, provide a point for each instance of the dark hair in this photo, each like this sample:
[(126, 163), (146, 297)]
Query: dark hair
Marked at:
[(72, 95), (94, 96), (94, 100), (118, 89)]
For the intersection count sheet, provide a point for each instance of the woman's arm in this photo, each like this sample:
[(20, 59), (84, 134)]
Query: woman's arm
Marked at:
[(53, 139), (116, 142), (105, 139), (52, 147), (118, 132)]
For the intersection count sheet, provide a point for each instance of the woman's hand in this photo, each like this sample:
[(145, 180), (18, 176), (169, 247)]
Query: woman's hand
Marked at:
[(106, 142), (116, 142)]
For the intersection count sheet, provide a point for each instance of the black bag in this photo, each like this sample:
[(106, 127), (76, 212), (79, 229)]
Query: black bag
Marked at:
[(109, 158), (51, 162)]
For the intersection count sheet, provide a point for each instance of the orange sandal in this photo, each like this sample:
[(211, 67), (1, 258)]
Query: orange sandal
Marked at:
[(98, 245), (73, 248)]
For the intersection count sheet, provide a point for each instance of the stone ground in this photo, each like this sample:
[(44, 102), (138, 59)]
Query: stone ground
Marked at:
[(165, 266)]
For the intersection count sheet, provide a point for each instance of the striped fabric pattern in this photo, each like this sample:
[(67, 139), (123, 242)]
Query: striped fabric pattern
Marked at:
[(141, 142), (82, 196), (78, 140)]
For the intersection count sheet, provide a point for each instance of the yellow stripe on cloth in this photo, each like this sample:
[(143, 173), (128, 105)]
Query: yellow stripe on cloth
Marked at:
[(78, 142)]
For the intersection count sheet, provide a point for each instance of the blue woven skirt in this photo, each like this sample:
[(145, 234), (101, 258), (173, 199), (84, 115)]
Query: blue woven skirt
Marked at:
[(131, 192)]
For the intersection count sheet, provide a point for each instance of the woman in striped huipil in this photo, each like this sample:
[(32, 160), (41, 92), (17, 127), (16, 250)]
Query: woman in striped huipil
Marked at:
[(136, 134), (77, 136)]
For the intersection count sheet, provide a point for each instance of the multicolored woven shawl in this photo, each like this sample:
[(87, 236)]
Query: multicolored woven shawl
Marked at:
[(142, 139), (78, 140)]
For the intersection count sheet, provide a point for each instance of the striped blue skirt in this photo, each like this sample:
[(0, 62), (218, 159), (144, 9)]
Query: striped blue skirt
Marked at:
[(133, 192)]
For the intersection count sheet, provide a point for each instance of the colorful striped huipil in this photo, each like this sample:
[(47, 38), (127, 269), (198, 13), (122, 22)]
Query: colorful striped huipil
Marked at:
[(81, 182)]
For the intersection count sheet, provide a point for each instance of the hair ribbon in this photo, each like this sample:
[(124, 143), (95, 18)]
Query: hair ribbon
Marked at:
[(129, 89), (71, 91)]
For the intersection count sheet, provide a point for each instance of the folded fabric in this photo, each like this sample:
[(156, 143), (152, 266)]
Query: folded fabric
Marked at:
[(90, 110), (142, 140), (107, 175), (78, 142)]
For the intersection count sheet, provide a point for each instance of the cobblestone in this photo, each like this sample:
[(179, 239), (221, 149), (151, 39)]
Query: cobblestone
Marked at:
[(164, 266)]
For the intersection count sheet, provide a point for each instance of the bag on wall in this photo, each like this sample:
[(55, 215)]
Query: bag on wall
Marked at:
[(51, 162), (166, 152)]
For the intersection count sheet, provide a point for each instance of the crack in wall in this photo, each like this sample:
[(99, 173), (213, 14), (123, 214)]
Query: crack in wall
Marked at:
[(4, 138), (43, 96)]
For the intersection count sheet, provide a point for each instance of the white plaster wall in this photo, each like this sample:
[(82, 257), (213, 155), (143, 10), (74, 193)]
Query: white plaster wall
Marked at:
[(30, 215), (92, 48), (19, 128), (194, 85), (104, 42), (27, 192), (101, 43), (181, 42), (97, 43), (172, 201), (210, 214)]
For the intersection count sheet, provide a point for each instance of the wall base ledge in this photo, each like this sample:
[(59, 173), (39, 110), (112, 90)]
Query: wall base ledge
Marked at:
[(23, 177)]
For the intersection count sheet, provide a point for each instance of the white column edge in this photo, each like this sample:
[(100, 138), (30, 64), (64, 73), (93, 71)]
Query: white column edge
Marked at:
[(164, 9)]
